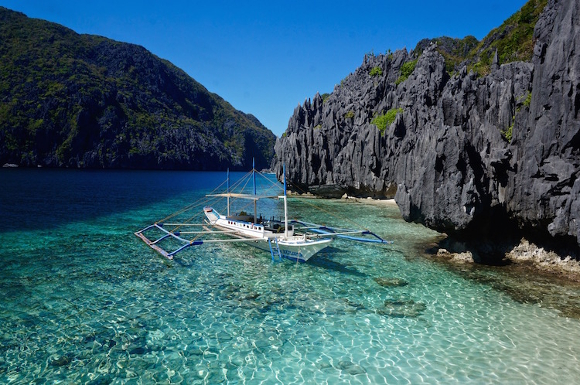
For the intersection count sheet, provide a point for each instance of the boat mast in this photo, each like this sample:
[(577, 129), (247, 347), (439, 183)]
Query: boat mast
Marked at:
[(285, 203), (254, 182), (228, 190)]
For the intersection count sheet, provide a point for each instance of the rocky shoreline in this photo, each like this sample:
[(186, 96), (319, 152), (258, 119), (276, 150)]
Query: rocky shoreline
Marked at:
[(525, 253)]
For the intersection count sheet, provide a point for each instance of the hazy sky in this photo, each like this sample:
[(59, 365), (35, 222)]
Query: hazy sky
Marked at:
[(266, 57)]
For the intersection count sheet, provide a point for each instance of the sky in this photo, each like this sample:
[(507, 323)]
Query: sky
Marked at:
[(267, 57)]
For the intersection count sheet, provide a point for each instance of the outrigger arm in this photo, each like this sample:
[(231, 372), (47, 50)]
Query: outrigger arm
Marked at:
[(336, 232)]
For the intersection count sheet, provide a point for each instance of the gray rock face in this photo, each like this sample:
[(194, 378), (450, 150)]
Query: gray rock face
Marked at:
[(445, 158)]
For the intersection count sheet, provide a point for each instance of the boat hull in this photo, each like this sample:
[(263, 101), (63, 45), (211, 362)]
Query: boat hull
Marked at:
[(294, 247), (300, 252)]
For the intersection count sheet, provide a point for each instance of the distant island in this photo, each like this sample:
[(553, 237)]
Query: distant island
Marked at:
[(83, 101), (476, 139)]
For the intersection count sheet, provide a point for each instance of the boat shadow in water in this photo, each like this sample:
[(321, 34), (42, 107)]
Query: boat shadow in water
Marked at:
[(325, 261)]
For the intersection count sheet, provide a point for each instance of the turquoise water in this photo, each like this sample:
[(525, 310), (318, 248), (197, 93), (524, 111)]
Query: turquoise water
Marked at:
[(85, 301)]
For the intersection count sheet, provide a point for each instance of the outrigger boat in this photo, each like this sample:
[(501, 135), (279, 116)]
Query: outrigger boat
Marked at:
[(293, 239)]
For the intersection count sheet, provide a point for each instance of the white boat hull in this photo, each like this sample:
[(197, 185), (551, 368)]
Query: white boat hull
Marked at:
[(297, 251), (294, 247)]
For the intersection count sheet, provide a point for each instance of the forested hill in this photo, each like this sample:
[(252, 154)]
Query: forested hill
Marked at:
[(83, 101)]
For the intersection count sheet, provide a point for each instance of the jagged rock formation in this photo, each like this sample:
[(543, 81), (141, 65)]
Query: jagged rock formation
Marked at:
[(82, 101), (469, 155)]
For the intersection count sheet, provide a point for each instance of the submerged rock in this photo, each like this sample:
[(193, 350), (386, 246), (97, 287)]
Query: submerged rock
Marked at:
[(249, 296), (463, 257), (350, 368), (391, 282), (400, 308), (62, 360), (139, 350)]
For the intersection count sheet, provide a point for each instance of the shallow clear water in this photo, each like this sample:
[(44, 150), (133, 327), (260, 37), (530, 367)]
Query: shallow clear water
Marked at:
[(85, 301)]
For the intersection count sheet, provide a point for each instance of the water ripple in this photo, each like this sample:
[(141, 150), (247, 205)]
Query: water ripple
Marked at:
[(101, 308)]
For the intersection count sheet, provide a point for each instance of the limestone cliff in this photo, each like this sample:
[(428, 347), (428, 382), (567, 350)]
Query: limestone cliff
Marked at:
[(462, 153)]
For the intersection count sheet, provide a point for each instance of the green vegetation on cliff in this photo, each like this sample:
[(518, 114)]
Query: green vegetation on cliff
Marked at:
[(376, 71), (455, 51), (513, 41), (70, 100), (406, 70), (382, 121)]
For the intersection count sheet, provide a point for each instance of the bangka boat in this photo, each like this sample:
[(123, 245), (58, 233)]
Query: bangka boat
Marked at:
[(292, 239)]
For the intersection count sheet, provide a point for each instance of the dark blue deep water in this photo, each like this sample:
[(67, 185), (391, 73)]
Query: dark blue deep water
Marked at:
[(85, 301)]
